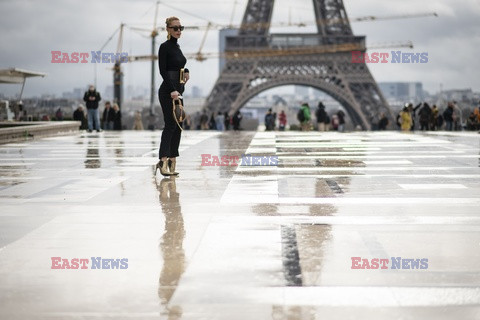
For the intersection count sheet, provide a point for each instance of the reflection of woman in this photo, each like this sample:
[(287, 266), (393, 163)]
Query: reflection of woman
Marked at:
[(171, 245), (171, 62)]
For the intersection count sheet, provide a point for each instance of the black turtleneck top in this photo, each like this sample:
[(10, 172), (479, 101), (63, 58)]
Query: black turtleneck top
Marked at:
[(170, 58)]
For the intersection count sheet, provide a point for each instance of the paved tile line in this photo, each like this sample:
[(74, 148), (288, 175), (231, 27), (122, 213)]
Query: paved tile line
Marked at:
[(351, 220)]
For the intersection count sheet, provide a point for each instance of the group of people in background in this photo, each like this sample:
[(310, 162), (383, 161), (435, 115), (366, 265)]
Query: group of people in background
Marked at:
[(111, 118), (430, 118), (324, 122), (217, 121), (305, 119), (271, 120), (420, 117)]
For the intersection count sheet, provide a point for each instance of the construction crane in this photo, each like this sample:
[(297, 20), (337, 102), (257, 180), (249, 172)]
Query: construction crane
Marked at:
[(395, 17), (214, 26), (199, 56), (345, 47), (118, 74), (153, 35)]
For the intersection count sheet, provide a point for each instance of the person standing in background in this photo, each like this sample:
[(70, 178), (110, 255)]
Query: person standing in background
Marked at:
[(108, 116), (341, 121), (117, 117), (237, 118), (448, 117), (307, 116), (383, 123), (59, 114), (227, 120), (92, 98), (204, 120), (187, 124), (406, 119), (282, 120), (219, 120), (212, 124), (434, 118), (79, 115), (321, 115), (269, 121), (138, 124), (425, 114)]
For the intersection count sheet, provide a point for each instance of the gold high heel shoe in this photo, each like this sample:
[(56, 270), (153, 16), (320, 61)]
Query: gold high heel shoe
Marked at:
[(162, 166), (171, 166)]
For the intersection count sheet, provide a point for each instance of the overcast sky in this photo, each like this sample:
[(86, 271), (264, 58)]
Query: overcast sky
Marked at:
[(31, 29)]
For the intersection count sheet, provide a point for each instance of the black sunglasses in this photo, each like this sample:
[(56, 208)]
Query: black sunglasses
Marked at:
[(176, 28)]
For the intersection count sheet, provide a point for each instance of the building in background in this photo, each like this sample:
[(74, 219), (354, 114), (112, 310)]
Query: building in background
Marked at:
[(464, 95), (76, 93), (403, 92)]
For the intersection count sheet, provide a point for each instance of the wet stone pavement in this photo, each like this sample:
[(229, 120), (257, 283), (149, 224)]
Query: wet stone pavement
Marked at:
[(306, 238)]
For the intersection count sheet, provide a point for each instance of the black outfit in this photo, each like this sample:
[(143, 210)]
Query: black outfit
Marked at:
[(425, 116), (108, 117), (237, 118), (321, 114), (448, 114), (383, 123), (92, 104), (212, 124), (78, 115), (414, 115), (341, 117), (170, 61), (269, 121), (227, 121), (117, 120)]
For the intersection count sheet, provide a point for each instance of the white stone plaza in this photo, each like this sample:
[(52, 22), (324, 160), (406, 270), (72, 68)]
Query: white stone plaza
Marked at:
[(304, 237)]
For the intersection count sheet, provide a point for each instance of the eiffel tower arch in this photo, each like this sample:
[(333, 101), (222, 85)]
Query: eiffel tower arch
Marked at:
[(257, 60)]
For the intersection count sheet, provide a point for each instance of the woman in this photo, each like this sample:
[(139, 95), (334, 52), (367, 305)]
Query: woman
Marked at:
[(406, 119), (219, 119), (282, 121), (138, 125), (383, 123), (117, 117), (227, 121), (171, 62)]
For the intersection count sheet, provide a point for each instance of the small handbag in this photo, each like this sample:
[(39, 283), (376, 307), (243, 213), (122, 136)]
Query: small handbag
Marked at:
[(178, 112)]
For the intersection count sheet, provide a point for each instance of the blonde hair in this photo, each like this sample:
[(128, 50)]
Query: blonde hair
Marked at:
[(170, 20)]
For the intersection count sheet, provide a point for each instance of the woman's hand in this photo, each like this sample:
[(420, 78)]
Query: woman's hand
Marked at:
[(174, 94), (187, 77)]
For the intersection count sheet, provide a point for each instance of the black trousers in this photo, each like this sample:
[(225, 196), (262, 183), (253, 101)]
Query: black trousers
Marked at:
[(171, 133)]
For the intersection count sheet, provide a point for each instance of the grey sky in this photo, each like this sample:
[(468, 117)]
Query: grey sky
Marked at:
[(30, 30)]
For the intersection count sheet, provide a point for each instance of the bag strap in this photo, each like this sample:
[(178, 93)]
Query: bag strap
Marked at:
[(174, 113)]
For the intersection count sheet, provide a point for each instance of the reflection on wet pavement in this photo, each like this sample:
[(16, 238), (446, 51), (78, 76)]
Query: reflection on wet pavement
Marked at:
[(92, 160), (171, 245), (246, 242)]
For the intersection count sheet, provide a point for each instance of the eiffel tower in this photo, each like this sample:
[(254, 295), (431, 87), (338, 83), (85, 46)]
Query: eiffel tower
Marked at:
[(257, 60)]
